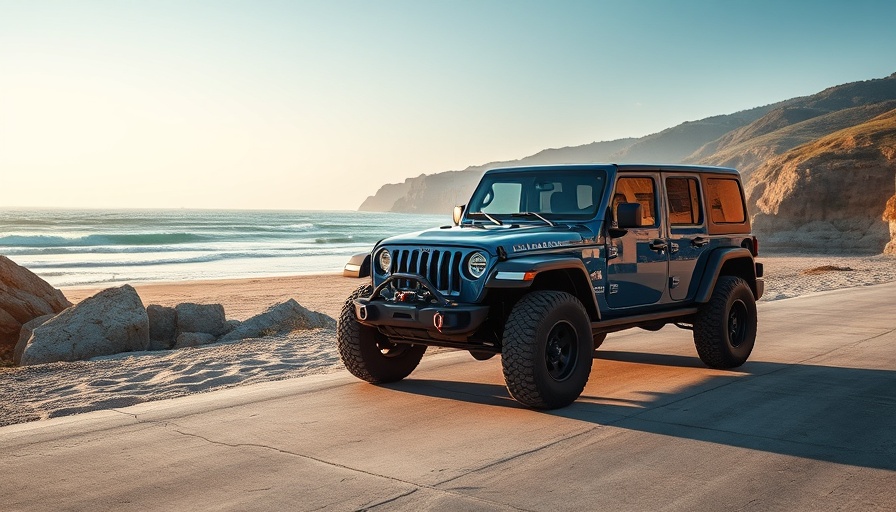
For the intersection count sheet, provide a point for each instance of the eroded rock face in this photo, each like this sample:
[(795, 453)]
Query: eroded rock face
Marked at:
[(23, 297), (281, 318), (890, 217), (110, 322), (828, 196)]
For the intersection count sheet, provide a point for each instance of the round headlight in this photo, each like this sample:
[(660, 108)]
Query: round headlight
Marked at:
[(476, 264), (384, 260)]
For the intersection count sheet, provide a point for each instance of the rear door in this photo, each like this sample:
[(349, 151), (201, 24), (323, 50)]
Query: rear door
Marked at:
[(688, 236)]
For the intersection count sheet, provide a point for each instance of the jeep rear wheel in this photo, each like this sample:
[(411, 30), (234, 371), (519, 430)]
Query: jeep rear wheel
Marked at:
[(725, 327), (547, 350), (368, 354)]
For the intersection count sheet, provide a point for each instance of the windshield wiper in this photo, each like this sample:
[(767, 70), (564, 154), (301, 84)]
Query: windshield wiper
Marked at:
[(487, 216), (532, 214)]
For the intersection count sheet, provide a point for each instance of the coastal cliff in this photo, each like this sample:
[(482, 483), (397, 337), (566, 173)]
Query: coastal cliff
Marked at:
[(831, 194)]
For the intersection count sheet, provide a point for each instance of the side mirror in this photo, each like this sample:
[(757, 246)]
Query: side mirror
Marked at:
[(628, 215), (458, 214)]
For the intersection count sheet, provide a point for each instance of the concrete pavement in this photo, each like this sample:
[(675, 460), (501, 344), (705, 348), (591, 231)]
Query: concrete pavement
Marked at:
[(809, 423)]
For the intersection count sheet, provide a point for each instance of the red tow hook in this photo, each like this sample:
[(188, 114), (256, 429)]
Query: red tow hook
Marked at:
[(438, 320)]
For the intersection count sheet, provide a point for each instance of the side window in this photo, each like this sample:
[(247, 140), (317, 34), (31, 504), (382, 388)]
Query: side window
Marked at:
[(637, 190), (684, 202), (726, 205)]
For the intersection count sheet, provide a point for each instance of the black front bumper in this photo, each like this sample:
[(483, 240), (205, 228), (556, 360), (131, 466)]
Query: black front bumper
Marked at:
[(446, 319), (437, 315)]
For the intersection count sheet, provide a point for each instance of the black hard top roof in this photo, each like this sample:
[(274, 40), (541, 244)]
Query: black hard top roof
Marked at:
[(618, 167)]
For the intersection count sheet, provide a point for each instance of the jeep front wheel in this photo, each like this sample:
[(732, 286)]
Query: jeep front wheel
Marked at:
[(368, 354), (725, 327), (547, 350)]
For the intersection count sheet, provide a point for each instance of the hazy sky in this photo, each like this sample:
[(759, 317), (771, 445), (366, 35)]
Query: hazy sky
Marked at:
[(314, 105)]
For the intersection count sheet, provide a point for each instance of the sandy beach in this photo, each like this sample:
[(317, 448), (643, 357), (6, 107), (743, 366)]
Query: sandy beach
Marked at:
[(59, 389)]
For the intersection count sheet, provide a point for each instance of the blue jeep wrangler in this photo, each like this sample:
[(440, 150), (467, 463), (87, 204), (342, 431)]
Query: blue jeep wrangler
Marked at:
[(546, 260)]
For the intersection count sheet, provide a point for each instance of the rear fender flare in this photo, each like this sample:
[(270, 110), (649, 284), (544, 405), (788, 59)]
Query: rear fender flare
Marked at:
[(735, 261)]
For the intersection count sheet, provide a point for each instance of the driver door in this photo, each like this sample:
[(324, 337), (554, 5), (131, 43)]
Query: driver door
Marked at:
[(638, 263)]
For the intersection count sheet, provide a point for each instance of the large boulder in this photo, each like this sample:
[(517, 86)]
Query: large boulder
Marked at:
[(23, 297), (110, 322), (207, 318), (281, 318)]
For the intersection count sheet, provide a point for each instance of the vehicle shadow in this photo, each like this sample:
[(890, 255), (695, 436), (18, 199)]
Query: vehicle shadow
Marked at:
[(834, 414)]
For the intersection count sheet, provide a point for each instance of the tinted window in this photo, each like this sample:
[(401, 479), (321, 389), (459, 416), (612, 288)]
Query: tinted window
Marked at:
[(637, 190), (725, 202), (684, 201), (556, 194), (504, 198)]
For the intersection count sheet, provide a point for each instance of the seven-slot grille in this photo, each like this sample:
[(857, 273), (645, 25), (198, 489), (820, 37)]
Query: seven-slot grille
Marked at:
[(441, 268)]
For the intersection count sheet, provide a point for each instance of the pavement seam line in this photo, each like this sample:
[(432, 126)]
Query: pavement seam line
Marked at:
[(851, 345), (390, 500), (416, 486), (521, 454)]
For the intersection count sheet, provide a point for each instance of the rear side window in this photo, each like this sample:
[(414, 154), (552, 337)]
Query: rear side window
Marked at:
[(725, 202), (684, 202)]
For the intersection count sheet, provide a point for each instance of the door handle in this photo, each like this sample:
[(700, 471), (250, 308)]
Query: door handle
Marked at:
[(658, 245), (699, 241)]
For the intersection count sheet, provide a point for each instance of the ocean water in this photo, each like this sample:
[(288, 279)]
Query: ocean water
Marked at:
[(89, 247)]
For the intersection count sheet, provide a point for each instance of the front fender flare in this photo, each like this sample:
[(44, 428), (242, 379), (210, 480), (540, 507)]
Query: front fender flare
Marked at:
[(520, 273)]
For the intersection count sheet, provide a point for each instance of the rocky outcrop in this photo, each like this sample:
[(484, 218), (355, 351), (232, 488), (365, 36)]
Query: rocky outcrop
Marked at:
[(829, 195), (385, 197), (282, 318), (750, 147), (110, 322), (23, 297), (890, 217)]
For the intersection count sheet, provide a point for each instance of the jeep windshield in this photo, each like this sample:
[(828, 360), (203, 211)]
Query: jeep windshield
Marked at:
[(540, 197)]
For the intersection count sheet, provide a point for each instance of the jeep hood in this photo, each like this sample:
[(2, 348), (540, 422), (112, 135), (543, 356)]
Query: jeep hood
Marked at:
[(515, 238)]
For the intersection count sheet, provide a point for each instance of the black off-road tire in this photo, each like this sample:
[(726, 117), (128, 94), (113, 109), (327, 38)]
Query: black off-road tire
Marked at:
[(725, 327), (547, 350), (368, 354), (599, 340)]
